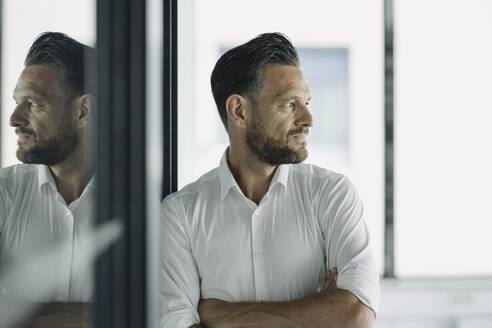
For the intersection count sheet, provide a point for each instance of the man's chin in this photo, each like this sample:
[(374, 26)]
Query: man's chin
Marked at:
[(293, 157), (32, 156), (299, 153), (301, 156)]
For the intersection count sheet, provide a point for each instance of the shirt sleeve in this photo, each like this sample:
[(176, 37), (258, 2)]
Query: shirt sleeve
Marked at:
[(179, 279), (3, 205), (347, 242), (4, 209)]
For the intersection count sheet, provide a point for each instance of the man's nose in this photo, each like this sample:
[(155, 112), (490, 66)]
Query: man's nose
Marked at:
[(18, 117), (305, 117)]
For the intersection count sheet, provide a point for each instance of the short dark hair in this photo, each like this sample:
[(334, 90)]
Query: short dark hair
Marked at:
[(66, 55), (240, 69)]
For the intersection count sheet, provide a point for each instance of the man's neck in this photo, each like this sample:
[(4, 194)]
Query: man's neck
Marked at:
[(72, 175), (252, 175)]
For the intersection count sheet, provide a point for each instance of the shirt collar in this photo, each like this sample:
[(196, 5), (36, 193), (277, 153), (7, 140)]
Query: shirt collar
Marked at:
[(227, 180), (45, 177), (281, 175)]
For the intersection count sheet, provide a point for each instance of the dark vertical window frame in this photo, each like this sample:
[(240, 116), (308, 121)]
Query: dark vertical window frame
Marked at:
[(1, 64), (120, 277), (137, 223), (389, 246), (170, 97)]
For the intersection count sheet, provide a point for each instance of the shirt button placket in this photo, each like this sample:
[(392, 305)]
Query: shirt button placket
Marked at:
[(258, 263), (67, 256)]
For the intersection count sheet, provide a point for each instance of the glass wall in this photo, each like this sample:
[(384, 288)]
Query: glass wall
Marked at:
[(46, 244)]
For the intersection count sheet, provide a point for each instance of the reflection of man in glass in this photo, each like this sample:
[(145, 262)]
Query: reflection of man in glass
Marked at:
[(264, 240), (48, 199)]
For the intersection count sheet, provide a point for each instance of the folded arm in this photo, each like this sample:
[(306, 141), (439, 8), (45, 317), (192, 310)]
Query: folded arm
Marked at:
[(331, 307), (60, 315)]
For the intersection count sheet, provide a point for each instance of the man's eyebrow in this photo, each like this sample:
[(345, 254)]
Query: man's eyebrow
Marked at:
[(37, 98), (291, 96)]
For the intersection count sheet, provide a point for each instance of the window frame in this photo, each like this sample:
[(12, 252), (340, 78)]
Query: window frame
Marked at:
[(119, 84)]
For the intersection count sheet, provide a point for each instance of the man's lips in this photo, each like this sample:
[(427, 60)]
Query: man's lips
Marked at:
[(301, 137), (23, 137)]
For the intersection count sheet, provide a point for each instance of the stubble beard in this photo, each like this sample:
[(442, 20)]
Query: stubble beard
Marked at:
[(270, 150), (52, 151)]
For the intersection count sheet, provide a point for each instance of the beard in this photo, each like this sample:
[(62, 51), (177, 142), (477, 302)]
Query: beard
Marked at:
[(52, 151), (272, 151)]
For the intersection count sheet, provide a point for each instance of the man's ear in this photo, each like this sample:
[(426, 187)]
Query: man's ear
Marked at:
[(85, 108), (236, 106)]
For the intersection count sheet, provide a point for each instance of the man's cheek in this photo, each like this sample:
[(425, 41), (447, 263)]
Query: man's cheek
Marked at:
[(277, 130)]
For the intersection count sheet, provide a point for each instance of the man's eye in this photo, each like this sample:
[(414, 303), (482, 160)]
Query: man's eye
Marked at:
[(32, 105), (291, 105)]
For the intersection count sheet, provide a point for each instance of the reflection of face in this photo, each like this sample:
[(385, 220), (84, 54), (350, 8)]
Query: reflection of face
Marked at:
[(280, 121), (47, 133)]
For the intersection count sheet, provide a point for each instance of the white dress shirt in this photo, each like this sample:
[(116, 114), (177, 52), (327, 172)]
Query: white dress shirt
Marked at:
[(216, 243), (33, 215)]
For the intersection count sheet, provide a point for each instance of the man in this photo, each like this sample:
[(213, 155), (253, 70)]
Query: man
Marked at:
[(264, 240), (49, 198)]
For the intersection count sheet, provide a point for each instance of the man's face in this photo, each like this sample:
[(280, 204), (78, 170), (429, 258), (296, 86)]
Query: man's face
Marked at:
[(42, 119), (277, 130)]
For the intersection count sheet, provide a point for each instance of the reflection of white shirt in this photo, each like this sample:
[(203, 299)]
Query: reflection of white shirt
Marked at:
[(33, 215), (216, 243)]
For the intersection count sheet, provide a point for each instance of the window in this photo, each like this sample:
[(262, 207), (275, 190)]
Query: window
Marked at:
[(443, 74)]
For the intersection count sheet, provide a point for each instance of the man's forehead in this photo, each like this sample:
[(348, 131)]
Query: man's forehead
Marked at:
[(39, 79), (281, 80)]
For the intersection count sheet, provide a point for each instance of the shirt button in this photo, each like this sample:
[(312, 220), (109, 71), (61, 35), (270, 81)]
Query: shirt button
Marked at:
[(257, 212), (257, 253), (68, 213)]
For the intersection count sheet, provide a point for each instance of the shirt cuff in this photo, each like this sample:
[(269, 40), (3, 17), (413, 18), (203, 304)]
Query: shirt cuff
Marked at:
[(179, 320), (366, 290)]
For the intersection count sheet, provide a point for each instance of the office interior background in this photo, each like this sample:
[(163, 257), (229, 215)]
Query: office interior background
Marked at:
[(435, 262)]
